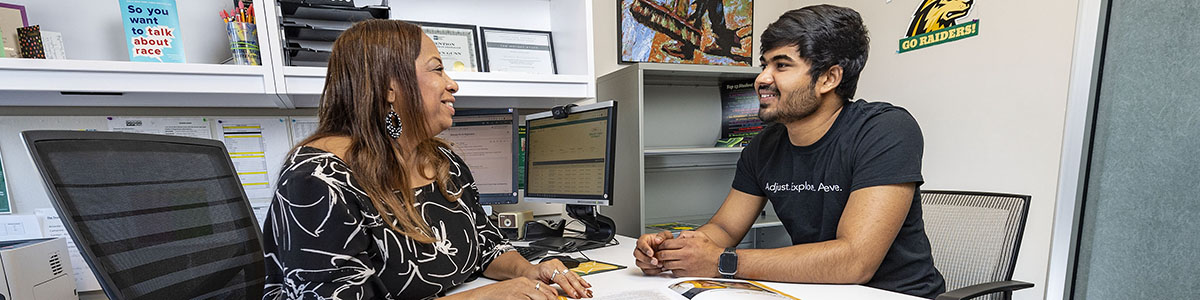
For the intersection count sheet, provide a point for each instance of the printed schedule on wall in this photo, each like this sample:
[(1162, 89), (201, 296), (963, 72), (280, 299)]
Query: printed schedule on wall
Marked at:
[(5, 206)]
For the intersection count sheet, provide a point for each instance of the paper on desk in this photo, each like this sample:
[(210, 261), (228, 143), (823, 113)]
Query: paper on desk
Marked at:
[(19, 227), (640, 295), (52, 226), (705, 289), (721, 289)]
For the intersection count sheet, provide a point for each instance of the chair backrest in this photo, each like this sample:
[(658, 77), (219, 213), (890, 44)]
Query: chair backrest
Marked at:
[(975, 236), (156, 217)]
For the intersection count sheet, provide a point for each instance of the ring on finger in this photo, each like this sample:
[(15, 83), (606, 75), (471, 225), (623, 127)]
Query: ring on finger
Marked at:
[(538, 286), (556, 272)]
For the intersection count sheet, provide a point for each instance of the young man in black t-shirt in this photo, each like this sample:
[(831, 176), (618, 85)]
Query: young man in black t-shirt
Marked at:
[(842, 175)]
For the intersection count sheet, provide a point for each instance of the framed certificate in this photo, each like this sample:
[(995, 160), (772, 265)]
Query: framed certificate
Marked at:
[(520, 51), (458, 45)]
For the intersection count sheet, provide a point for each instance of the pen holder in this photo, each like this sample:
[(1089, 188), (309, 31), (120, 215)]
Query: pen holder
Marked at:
[(243, 43)]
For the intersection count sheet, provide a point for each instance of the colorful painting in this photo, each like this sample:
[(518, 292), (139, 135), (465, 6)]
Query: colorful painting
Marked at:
[(709, 32)]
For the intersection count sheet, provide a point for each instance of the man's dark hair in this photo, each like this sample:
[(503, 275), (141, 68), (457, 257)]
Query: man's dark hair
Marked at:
[(826, 35)]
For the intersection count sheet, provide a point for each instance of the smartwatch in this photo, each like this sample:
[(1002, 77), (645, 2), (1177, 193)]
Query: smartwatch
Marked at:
[(727, 265)]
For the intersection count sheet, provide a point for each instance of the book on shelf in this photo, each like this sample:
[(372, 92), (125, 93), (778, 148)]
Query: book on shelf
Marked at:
[(152, 31), (672, 227), (739, 113), (30, 38)]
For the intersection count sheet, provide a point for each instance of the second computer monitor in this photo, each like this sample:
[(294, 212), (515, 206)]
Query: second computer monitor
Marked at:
[(570, 160), (487, 140)]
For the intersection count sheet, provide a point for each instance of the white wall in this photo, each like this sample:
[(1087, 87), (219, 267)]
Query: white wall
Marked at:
[(992, 107)]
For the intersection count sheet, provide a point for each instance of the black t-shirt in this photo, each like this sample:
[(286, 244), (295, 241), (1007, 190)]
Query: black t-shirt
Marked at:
[(870, 144)]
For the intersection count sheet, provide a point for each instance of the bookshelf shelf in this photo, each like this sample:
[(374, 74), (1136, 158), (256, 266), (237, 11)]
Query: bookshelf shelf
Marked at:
[(123, 77), (570, 22), (691, 151), (39, 82), (311, 80), (98, 73)]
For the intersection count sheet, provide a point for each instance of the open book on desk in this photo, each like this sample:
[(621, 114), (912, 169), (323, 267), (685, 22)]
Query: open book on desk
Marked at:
[(704, 289)]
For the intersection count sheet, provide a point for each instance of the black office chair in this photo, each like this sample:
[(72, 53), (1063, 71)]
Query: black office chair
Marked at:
[(975, 238), (156, 217)]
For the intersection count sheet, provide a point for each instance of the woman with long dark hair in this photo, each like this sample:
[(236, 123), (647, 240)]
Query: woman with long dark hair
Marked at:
[(373, 205)]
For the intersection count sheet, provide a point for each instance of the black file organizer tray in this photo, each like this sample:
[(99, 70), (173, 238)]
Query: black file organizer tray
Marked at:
[(302, 23), (296, 31), (332, 12), (305, 57)]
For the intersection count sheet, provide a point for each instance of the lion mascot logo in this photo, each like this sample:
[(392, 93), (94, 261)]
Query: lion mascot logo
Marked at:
[(937, 14)]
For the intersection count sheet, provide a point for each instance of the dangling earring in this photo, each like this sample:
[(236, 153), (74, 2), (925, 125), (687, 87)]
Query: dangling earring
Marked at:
[(392, 121)]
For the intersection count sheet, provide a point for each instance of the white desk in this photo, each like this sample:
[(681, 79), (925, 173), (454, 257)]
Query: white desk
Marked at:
[(631, 278)]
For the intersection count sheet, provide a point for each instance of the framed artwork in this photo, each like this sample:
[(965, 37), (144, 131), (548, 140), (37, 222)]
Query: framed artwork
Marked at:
[(708, 32), (458, 44), (12, 16), (518, 50)]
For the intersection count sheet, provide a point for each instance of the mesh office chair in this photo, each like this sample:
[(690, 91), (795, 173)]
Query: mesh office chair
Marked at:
[(156, 217), (975, 238)]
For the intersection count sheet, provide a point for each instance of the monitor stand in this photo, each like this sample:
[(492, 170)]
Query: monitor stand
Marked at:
[(598, 231), (597, 227)]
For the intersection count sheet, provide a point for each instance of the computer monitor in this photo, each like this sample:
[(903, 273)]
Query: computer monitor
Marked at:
[(569, 160), (487, 140)]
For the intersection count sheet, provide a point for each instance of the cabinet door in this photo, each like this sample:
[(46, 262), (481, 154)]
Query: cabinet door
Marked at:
[(772, 237)]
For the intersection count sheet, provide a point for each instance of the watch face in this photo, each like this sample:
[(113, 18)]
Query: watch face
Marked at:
[(727, 265)]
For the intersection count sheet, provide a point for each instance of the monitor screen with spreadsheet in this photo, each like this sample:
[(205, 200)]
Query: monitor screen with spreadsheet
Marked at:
[(570, 160)]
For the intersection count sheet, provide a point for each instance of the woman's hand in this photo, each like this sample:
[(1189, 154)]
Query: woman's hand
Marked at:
[(519, 288), (553, 271)]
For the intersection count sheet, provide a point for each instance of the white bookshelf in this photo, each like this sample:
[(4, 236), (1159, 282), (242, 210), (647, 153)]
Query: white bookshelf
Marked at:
[(98, 72), (569, 21)]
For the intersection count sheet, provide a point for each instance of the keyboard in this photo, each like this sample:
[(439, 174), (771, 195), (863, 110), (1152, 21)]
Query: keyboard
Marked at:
[(530, 253)]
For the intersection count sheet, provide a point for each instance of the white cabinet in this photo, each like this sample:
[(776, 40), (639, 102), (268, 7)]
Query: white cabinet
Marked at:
[(98, 72)]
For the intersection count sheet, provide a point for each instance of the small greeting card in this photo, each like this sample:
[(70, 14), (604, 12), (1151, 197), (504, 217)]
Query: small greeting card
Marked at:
[(152, 30)]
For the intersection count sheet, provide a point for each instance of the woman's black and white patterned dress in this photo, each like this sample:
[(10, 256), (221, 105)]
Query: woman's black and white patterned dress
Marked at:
[(325, 240)]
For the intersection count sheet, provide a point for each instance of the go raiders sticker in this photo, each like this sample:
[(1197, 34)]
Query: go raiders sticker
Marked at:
[(934, 23)]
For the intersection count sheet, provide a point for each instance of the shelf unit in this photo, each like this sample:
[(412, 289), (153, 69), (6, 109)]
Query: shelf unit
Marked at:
[(99, 73), (569, 21), (667, 168)]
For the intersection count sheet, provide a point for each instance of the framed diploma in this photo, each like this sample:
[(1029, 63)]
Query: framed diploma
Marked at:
[(520, 51), (458, 45)]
